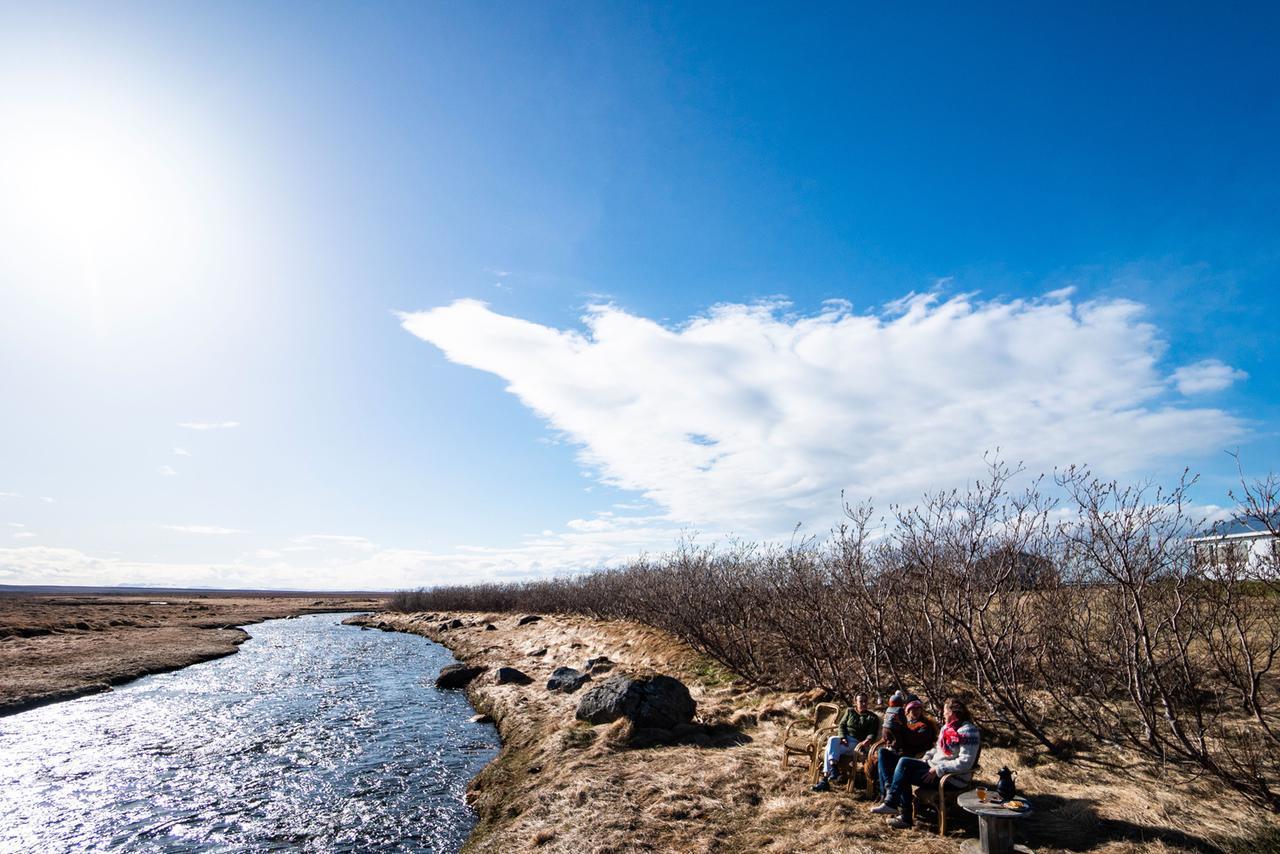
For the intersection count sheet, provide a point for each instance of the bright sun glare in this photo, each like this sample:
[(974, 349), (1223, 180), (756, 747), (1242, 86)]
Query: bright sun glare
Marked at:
[(111, 187)]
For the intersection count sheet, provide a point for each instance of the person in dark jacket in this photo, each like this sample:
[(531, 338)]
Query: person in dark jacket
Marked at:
[(910, 735), (953, 756), (857, 728)]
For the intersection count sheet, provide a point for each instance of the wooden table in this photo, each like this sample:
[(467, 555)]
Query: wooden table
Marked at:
[(995, 824)]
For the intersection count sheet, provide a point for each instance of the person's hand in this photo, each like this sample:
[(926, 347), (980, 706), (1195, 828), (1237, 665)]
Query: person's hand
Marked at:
[(930, 776)]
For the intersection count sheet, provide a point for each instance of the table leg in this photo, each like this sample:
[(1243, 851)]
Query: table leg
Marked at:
[(995, 835)]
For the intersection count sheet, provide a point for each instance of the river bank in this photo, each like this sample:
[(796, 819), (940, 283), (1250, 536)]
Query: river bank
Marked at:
[(314, 736), (562, 785), (56, 647)]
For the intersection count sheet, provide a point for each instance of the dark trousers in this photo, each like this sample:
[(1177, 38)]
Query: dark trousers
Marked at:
[(908, 772), (886, 762)]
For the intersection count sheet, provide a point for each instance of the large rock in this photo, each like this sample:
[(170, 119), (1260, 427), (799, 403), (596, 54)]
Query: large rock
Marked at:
[(457, 675), (527, 619), (654, 702), (600, 664), (451, 624), (511, 676), (567, 679)]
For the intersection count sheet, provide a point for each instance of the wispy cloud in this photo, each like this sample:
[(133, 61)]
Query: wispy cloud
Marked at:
[(23, 535), (203, 529), (755, 418), (48, 500), (208, 425), (4, 496), (167, 471), (1205, 376), (182, 452)]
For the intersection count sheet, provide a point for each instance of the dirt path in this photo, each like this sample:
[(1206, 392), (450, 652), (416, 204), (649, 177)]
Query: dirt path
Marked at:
[(59, 647), (561, 785)]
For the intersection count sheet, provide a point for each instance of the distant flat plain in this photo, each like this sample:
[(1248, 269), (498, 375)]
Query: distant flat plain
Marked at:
[(56, 644)]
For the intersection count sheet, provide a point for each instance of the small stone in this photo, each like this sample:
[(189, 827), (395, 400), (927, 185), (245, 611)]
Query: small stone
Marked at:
[(457, 676), (490, 627), (527, 619), (481, 719), (537, 653), (600, 664), (511, 676), (567, 680)]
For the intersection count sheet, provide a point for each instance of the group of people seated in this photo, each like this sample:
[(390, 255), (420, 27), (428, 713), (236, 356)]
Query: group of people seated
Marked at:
[(910, 750)]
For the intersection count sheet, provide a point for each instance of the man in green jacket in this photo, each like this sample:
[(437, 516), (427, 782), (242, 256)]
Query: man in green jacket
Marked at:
[(857, 728)]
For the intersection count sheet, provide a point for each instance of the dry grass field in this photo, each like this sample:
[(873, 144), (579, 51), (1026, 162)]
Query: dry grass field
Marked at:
[(561, 785), (58, 647)]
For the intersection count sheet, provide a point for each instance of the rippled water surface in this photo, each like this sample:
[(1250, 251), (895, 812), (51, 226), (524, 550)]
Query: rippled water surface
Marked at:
[(315, 735)]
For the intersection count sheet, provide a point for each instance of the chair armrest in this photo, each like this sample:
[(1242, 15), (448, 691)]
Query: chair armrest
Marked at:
[(942, 782), (786, 735), (872, 754)]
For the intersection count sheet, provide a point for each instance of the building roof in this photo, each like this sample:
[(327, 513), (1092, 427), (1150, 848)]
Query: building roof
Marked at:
[(1240, 527)]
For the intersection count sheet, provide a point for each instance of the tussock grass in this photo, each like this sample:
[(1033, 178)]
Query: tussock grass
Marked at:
[(562, 786)]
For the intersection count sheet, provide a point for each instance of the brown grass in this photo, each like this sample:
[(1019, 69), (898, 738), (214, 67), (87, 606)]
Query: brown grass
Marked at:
[(560, 785)]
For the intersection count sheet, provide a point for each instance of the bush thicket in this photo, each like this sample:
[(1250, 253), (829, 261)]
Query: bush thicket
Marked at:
[(1085, 615)]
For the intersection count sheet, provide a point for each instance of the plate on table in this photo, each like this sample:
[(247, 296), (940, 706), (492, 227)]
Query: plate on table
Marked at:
[(1017, 805)]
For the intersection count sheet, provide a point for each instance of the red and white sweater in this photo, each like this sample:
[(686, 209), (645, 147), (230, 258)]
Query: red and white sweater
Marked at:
[(956, 751)]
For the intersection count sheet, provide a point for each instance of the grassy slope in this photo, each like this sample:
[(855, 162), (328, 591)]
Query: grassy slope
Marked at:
[(560, 785)]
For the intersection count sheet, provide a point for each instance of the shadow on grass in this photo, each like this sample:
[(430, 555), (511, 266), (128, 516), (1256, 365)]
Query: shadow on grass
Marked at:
[(1074, 824), (716, 737)]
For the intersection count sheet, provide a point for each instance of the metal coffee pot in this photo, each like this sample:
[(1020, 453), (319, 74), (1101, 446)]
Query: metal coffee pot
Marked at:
[(1005, 788)]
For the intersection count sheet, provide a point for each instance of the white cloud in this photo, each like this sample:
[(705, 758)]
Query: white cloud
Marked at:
[(1205, 376), (754, 419), (17, 525), (23, 535), (208, 425), (182, 452), (47, 500), (203, 529), (167, 471), (4, 496)]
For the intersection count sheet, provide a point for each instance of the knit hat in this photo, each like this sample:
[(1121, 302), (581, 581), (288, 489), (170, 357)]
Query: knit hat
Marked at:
[(914, 704)]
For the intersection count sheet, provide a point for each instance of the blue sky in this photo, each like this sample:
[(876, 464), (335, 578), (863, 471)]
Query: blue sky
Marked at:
[(491, 290)]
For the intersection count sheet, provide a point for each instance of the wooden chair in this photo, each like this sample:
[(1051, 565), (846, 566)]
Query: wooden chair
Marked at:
[(809, 744), (869, 770), (946, 795), (851, 765)]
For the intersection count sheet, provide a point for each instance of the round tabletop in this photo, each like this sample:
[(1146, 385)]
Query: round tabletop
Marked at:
[(993, 807)]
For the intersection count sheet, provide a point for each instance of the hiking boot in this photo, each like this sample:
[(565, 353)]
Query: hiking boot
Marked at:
[(822, 786), (900, 822), (884, 809)]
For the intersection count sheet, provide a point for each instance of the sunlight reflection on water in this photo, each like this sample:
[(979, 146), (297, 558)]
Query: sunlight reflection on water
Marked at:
[(315, 735)]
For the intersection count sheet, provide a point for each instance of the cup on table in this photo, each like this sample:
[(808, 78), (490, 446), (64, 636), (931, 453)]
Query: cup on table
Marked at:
[(982, 794)]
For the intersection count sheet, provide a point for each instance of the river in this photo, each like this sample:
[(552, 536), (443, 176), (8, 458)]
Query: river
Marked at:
[(314, 736)]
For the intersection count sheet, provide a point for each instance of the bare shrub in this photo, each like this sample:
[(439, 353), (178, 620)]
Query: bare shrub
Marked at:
[(1081, 613)]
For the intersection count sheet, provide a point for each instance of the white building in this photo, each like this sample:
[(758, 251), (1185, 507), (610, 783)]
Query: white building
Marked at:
[(1243, 543)]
